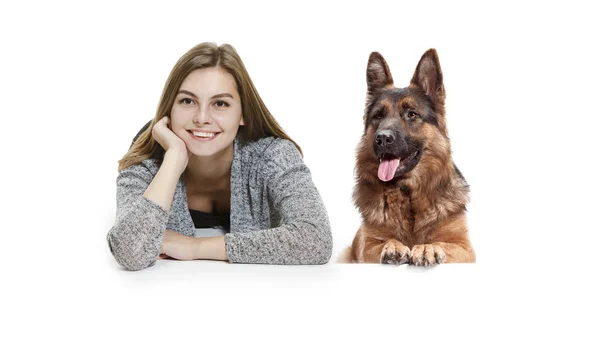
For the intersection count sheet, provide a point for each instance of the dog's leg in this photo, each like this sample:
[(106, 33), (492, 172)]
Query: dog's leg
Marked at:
[(394, 252), (372, 246), (457, 252), (449, 244)]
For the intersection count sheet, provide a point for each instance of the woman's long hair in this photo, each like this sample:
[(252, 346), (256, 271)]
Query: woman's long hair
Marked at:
[(258, 121)]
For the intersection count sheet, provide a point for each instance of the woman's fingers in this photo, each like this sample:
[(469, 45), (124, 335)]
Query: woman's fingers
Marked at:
[(163, 134)]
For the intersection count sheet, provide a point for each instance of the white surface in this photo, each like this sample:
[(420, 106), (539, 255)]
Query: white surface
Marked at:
[(78, 80)]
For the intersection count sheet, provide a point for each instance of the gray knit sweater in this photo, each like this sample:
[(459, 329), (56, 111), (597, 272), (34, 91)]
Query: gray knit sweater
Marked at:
[(277, 215)]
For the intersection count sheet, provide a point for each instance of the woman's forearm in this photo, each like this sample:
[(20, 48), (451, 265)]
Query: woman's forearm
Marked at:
[(162, 187), (211, 248)]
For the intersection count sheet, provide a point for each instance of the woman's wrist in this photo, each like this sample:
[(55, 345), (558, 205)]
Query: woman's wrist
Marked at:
[(210, 248), (163, 185), (176, 159)]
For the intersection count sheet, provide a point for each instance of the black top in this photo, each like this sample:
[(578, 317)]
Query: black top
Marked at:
[(204, 220)]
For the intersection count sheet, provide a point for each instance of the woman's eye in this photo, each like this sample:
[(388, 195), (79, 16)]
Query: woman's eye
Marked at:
[(186, 101), (221, 104)]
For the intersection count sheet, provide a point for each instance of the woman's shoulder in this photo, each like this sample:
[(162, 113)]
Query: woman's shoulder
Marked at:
[(145, 169), (278, 150)]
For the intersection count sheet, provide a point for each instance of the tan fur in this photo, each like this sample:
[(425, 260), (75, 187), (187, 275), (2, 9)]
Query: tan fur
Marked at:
[(419, 218)]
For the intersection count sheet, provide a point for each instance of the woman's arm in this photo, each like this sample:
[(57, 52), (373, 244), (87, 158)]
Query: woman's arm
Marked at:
[(143, 204), (304, 236), (162, 187), (135, 238)]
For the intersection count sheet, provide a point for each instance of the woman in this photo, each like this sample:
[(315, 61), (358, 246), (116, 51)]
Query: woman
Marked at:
[(214, 157)]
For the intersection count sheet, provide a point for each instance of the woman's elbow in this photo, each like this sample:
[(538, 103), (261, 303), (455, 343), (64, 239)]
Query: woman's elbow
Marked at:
[(322, 245), (130, 255)]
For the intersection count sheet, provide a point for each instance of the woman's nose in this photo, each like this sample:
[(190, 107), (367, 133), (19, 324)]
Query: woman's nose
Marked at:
[(202, 117)]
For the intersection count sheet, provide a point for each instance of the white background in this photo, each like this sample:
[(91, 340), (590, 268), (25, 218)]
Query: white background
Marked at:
[(78, 80)]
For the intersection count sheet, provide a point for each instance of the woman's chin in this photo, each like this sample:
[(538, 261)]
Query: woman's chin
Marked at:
[(207, 151), (203, 153)]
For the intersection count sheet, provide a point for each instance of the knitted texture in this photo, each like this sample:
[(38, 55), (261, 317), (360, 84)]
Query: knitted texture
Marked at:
[(277, 215)]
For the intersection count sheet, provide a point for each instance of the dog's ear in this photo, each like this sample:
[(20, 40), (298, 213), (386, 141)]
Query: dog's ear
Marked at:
[(428, 77), (378, 73)]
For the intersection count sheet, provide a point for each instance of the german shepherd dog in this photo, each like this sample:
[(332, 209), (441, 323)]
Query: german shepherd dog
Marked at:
[(411, 195)]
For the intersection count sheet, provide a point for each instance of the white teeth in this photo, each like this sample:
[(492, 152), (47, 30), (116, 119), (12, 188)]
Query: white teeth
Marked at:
[(203, 134)]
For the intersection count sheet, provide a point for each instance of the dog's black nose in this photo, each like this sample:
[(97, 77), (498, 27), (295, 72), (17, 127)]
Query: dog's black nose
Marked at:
[(384, 138)]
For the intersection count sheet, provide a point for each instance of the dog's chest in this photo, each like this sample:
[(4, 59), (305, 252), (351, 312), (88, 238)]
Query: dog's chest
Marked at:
[(399, 211), (409, 220)]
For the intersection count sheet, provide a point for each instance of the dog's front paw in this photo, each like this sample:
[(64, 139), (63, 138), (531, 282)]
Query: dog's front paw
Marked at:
[(427, 255), (395, 252)]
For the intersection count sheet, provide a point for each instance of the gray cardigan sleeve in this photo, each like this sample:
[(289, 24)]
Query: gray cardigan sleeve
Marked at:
[(140, 224), (304, 236)]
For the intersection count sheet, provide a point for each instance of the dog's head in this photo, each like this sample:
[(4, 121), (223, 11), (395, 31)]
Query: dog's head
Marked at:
[(405, 125)]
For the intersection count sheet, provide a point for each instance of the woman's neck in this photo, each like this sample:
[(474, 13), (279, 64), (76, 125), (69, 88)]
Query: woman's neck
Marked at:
[(210, 172)]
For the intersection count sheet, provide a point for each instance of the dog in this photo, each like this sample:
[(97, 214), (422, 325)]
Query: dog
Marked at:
[(411, 195)]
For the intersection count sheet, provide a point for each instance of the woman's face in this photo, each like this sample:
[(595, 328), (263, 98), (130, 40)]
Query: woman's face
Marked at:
[(207, 111)]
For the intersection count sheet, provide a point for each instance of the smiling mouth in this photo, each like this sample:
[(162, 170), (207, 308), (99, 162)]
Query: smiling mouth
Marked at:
[(204, 135), (389, 165)]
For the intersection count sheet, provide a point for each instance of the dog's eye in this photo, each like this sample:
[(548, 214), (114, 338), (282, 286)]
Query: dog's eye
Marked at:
[(412, 115)]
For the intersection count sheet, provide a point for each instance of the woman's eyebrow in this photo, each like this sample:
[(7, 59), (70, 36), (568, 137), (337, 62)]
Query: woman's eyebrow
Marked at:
[(222, 95), (187, 92)]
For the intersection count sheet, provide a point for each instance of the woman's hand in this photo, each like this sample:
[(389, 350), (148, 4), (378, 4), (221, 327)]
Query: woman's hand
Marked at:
[(178, 246), (173, 145)]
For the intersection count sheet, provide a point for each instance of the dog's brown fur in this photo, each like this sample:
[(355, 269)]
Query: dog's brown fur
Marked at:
[(419, 217)]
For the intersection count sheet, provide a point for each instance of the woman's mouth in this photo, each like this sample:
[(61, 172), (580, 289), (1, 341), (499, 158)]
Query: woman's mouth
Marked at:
[(204, 136)]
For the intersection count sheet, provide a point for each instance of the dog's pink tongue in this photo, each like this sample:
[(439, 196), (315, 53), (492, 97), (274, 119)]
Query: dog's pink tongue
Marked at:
[(387, 169)]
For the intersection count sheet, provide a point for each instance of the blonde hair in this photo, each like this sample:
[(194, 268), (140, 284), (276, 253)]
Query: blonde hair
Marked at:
[(258, 121)]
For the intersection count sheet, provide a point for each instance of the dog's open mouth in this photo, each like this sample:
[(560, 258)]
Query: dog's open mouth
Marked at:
[(389, 165)]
